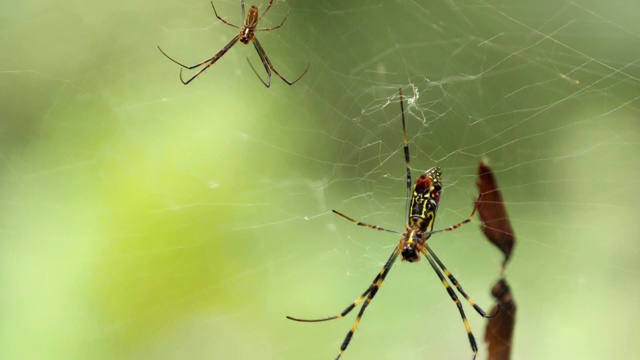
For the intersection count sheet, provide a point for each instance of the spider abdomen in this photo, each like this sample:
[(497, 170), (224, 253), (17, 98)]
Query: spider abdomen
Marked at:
[(424, 202)]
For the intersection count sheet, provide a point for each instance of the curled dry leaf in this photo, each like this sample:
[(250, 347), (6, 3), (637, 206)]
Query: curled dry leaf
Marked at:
[(497, 228), (499, 331), (495, 221)]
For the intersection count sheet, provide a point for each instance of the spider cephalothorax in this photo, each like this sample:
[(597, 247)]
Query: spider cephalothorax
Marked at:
[(410, 246)]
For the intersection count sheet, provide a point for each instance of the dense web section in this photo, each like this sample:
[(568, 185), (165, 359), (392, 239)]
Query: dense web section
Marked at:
[(166, 221)]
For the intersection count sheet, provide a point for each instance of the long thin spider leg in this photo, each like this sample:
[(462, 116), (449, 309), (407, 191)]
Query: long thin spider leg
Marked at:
[(343, 313), (465, 221), (360, 223), (369, 293), (275, 27), (407, 158), (346, 311), (374, 290), (457, 285), (452, 294), (225, 21), (265, 10), (184, 66), (209, 61), (266, 62)]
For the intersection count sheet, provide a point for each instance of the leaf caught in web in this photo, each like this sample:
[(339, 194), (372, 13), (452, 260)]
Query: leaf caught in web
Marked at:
[(497, 228), (495, 221), (499, 331)]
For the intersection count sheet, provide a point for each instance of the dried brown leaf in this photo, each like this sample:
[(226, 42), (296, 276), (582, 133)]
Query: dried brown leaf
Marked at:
[(499, 331), (495, 221)]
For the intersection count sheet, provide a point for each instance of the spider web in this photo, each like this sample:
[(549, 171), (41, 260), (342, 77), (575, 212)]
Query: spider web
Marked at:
[(144, 219)]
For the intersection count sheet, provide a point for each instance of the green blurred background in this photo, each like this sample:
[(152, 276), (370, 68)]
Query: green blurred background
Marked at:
[(144, 219)]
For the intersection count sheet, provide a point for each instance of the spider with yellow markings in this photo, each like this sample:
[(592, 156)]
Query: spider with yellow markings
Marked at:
[(421, 208), (247, 35)]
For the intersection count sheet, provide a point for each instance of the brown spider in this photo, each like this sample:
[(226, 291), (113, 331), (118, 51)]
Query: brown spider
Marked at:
[(247, 35)]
